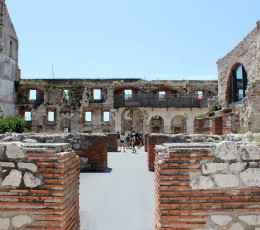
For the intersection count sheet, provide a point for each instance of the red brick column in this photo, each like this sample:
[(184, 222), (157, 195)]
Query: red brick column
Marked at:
[(217, 125), (153, 140), (112, 142), (54, 202), (146, 141), (96, 152)]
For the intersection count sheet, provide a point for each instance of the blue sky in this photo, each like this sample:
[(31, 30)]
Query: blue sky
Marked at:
[(149, 39)]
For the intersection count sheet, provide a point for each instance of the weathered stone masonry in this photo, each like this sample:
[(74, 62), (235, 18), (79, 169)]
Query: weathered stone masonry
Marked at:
[(207, 186), (39, 186)]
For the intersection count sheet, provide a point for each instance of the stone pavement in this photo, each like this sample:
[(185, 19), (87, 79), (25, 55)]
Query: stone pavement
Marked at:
[(121, 198)]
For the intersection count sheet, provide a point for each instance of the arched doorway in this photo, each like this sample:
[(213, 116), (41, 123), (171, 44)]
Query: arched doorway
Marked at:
[(156, 124), (131, 120), (179, 124)]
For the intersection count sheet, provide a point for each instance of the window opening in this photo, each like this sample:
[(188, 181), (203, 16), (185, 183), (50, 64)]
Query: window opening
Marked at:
[(97, 94), (33, 94), (66, 130), (162, 95), (106, 116), (28, 116), (51, 116), (128, 94), (88, 116), (129, 114), (11, 48), (239, 83), (198, 94), (66, 94)]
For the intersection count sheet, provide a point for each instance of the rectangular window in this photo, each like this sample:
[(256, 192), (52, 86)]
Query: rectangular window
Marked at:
[(88, 116), (198, 94), (28, 116), (33, 94), (51, 116), (128, 94), (97, 94), (66, 130), (11, 48), (162, 95), (106, 116), (66, 94)]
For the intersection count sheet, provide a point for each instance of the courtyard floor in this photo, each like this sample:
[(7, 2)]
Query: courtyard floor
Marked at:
[(121, 198)]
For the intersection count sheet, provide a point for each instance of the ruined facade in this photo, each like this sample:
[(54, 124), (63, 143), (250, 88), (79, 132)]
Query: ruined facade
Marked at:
[(106, 105), (9, 71), (239, 80)]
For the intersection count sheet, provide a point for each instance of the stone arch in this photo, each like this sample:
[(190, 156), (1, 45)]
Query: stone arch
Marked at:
[(65, 124), (156, 124), (179, 124), (131, 120)]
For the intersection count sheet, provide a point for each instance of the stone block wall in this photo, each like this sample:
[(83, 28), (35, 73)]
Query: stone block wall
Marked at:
[(207, 186), (93, 147), (39, 186)]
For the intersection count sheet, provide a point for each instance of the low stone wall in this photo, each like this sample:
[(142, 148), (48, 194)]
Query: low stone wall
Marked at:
[(207, 186), (39, 186), (93, 147)]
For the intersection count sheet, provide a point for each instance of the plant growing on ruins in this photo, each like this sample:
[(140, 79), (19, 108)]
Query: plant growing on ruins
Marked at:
[(215, 107), (116, 84), (199, 116), (12, 124)]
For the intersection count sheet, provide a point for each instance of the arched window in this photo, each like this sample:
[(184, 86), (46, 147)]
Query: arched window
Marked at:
[(239, 83)]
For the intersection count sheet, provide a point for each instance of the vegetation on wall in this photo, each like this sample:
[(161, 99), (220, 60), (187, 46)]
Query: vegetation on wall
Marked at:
[(215, 107)]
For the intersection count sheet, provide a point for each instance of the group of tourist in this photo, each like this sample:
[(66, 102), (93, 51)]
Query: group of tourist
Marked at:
[(133, 141)]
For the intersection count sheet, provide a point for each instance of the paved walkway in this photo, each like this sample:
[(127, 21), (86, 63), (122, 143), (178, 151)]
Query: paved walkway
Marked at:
[(121, 198)]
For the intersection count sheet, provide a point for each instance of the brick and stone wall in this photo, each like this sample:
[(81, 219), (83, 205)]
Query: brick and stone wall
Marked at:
[(158, 139), (207, 186), (146, 141), (93, 147), (39, 186)]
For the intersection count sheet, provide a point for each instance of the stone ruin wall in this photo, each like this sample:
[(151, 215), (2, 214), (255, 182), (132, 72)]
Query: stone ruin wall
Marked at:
[(210, 185), (247, 53), (91, 148), (39, 186), (70, 113)]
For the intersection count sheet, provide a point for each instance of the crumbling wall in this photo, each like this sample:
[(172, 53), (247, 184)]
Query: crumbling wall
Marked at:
[(39, 186), (207, 186), (158, 139)]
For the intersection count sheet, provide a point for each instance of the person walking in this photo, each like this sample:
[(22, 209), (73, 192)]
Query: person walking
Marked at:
[(133, 142)]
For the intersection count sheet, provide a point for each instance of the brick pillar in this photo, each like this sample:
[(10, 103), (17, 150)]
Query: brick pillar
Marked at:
[(112, 142)]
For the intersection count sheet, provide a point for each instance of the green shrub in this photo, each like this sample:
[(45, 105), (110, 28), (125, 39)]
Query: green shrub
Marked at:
[(12, 124), (199, 116), (215, 107)]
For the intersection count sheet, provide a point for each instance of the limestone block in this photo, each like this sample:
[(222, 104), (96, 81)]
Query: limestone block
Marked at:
[(31, 181), (9, 139), (221, 220), (251, 177), (13, 179), (30, 166), (236, 226), (250, 152), (226, 180), (20, 220), (84, 164), (7, 164), (237, 167), (4, 223), (76, 146), (14, 151), (252, 220), (208, 168), (226, 150), (29, 141), (202, 182), (2, 149)]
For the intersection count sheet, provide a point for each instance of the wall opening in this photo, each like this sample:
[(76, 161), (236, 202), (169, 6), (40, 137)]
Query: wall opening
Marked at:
[(157, 124)]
